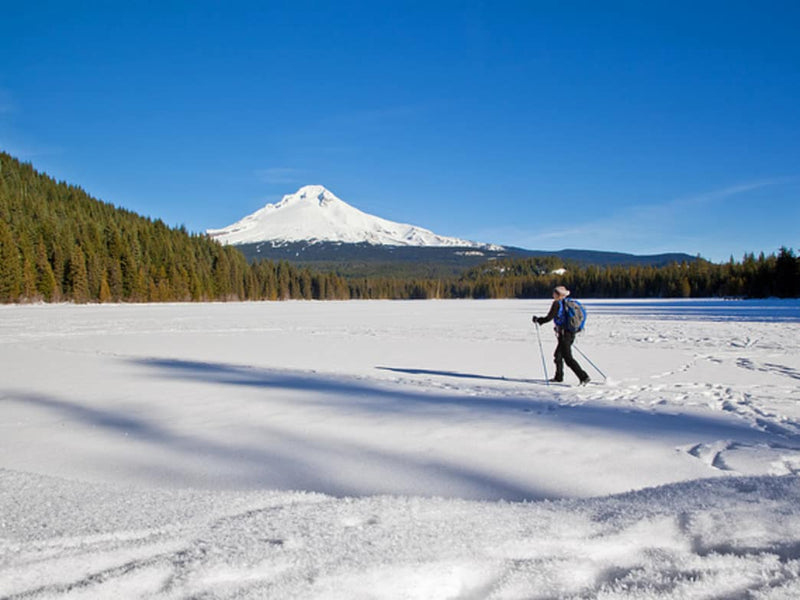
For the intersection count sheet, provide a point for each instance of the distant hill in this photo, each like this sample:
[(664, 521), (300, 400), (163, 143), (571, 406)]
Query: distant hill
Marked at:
[(607, 259), (365, 260)]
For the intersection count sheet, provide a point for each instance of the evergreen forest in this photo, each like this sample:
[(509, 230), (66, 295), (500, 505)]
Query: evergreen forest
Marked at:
[(58, 244)]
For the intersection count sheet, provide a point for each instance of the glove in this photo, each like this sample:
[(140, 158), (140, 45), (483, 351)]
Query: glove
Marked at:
[(537, 320)]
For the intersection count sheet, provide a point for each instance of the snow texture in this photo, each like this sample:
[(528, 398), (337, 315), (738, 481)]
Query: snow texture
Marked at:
[(314, 214), (398, 450)]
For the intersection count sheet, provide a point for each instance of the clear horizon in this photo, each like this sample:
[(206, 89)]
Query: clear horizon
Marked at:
[(670, 127)]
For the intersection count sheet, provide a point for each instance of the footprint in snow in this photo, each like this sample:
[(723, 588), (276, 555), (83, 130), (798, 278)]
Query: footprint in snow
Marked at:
[(747, 459)]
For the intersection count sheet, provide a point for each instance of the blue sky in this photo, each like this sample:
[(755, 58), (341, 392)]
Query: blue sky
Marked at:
[(638, 127)]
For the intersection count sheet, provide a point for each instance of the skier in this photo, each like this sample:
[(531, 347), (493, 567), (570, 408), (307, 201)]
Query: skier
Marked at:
[(566, 338)]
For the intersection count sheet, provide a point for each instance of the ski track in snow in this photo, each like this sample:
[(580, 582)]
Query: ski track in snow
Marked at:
[(353, 401)]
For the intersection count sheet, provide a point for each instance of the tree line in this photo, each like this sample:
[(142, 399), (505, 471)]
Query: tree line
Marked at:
[(57, 243), (774, 275)]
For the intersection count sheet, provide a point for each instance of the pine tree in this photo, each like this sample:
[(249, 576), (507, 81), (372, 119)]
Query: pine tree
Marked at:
[(105, 290), (787, 274), (77, 277), (10, 266), (45, 280)]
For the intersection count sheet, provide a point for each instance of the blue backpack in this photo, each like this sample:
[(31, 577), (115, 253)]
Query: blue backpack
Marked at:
[(571, 315)]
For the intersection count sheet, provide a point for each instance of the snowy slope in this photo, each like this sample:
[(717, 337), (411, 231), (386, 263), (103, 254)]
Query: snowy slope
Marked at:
[(314, 214)]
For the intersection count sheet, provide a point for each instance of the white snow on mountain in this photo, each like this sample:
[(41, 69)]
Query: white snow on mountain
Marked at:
[(314, 214)]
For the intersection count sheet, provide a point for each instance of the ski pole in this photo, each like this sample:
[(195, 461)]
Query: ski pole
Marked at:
[(590, 362), (541, 351)]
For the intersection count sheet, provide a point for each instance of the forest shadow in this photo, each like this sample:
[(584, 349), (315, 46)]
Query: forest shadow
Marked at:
[(263, 455)]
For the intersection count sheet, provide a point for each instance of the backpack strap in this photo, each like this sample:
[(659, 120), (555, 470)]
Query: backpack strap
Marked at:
[(561, 314)]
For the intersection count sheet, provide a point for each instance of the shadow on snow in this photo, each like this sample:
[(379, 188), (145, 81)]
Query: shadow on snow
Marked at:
[(457, 375), (378, 397), (281, 459)]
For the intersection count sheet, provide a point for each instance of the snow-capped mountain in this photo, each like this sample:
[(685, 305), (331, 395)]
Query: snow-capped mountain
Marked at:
[(313, 214)]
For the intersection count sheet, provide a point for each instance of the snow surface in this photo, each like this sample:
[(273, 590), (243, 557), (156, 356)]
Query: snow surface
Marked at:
[(314, 214), (398, 450)]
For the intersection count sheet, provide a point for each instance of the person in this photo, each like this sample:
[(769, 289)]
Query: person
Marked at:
[(563, 353)]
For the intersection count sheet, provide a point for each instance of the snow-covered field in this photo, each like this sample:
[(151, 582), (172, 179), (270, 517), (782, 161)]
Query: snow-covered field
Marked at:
[(398, 450)]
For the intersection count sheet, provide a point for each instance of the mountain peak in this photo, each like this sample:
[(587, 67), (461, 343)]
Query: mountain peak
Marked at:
[(314, 214), (312, 193)]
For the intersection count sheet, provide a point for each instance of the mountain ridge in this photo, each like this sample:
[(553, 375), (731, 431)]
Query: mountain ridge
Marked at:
[(364, 260)]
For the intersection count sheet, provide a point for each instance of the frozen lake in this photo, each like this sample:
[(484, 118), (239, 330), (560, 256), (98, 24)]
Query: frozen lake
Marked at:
[(274, 442), (767, 311)]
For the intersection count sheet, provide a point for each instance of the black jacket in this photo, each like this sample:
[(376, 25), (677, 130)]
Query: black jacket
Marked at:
[(552, 314)]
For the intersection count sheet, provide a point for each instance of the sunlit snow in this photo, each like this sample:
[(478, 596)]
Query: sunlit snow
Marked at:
[(398, 450)]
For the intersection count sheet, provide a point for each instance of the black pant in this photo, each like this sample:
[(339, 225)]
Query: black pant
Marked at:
[(564, 355)]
